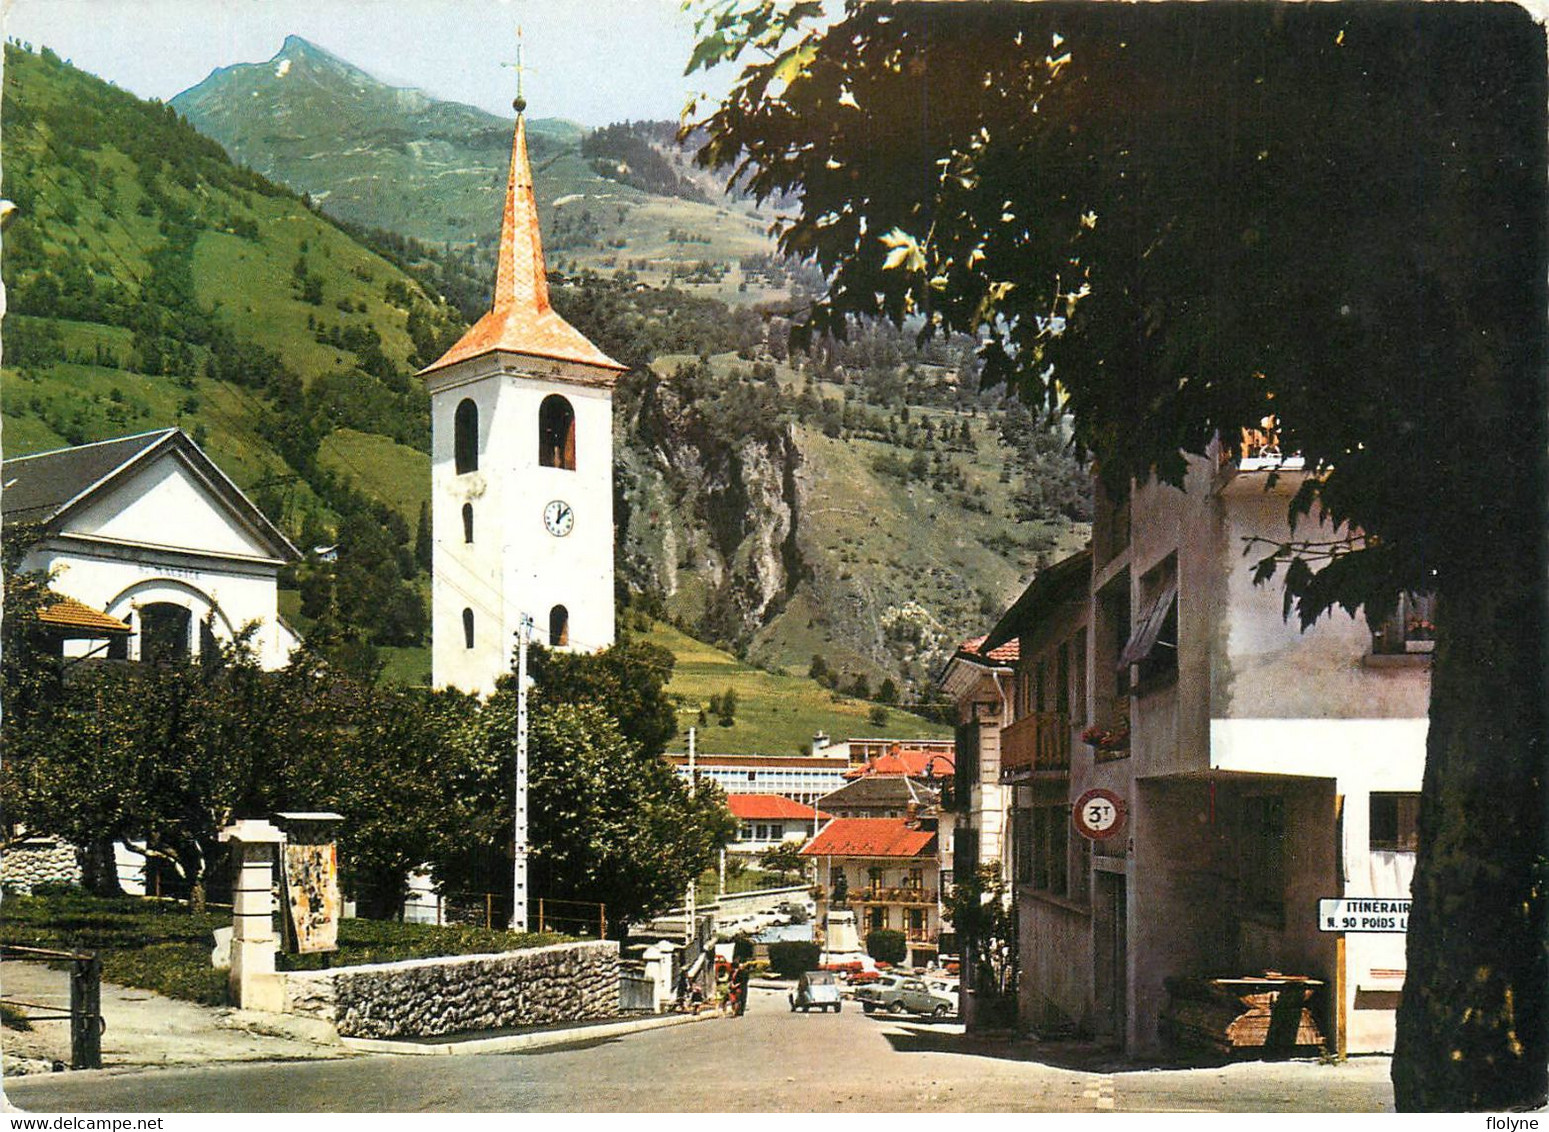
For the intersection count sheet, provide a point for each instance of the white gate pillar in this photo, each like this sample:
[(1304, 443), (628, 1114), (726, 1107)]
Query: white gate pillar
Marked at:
[(254, 983)]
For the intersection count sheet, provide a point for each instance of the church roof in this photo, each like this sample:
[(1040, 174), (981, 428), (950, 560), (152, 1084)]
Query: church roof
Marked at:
[(521, 321), (43, 490)]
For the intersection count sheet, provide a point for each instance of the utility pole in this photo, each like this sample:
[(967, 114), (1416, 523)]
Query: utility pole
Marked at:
[(519, 838), (691, 928)]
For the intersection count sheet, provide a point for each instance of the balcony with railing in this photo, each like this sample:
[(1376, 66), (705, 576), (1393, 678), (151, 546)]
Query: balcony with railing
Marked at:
[(1036, 745), (905, 895)]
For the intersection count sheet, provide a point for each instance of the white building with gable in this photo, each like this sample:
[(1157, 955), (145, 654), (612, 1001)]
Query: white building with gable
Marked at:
[(148, 531)]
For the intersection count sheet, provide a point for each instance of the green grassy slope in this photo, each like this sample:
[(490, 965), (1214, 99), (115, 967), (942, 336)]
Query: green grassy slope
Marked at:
[(100, 180), (776, 714)]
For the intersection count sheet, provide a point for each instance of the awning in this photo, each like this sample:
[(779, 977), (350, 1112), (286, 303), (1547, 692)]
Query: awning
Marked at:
[(1147, 634), (74, 620)]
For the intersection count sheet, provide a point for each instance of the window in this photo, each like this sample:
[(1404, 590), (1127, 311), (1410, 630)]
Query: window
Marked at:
[(164, 632), (1050, 849), (1022, 845), (468, 522), (745, 832), (465, 437), (1153, 646), (1410, 628), (1395, 822), (916, 881), (556, 433), (1062, 680), (1261, 857), (874, 876), (468, 628), (559, 627), (877, 917), (1078, 692)]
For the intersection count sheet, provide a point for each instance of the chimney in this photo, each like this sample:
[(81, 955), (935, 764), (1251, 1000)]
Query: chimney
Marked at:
[(819, 742)]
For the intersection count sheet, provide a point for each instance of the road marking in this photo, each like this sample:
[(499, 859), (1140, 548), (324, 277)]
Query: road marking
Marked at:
[(1100, 1093)]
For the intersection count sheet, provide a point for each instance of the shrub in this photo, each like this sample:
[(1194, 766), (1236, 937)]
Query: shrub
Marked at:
[(791, 957), (886, 945)]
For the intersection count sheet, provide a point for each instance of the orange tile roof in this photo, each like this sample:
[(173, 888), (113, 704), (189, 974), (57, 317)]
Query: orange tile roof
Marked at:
[(764, 807), (67, 613), (909, 761), (1010, 652), (871, 837), (521, 320)]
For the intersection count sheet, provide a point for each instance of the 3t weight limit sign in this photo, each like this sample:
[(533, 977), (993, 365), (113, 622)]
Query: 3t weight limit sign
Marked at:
[(1363, 914)]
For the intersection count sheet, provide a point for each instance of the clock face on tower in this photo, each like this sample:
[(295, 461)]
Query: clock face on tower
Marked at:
[(559, 518)]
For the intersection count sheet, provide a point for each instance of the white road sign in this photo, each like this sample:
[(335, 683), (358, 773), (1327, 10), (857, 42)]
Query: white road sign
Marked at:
[(1363, 914)]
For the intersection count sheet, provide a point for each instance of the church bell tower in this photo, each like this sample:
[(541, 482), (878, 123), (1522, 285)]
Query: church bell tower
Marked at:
[(521, 468)]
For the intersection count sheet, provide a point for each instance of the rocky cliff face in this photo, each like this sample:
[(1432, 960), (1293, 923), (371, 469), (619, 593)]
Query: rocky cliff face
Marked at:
[(707, 517)]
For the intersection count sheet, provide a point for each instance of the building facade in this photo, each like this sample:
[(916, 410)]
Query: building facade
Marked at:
[(521, 469), (885, 871), (803, 778), (1241, 770), (149, 534), (766, 821)]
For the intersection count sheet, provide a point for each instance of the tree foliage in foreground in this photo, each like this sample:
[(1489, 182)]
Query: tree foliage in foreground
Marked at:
[(1175, 221), (171, 753)]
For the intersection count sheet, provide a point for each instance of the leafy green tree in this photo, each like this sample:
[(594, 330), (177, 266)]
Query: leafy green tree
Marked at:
[(785, 859), (1329, 216), (887, 945), (628, 680), (608, 821)]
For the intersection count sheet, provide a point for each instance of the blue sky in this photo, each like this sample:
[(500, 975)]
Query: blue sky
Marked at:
[(594, 61)]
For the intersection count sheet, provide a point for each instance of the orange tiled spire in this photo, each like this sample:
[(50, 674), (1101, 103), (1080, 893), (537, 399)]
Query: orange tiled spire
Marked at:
[(521, 320)]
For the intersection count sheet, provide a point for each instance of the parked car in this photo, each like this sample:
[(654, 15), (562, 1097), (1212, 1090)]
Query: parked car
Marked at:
[(899, 994), (944, 986), (816, 988)]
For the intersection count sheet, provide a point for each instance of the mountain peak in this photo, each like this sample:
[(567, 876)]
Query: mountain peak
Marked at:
[(296, 50)]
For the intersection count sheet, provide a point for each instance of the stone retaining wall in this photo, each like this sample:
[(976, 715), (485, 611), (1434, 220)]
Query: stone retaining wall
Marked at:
[(39, 861), (568, 982)]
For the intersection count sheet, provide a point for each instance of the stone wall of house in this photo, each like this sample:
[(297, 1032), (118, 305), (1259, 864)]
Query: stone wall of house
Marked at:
[(39, 861), (571, 982)]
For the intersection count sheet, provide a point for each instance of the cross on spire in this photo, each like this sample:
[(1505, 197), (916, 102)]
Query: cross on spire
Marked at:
[(519, 103)]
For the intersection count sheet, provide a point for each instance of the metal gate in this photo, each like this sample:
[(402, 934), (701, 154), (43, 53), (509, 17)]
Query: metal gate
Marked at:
[(637, 994), (85, 1016)]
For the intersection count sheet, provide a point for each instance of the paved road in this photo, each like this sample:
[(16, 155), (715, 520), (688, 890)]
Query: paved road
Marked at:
[(769, 1060)]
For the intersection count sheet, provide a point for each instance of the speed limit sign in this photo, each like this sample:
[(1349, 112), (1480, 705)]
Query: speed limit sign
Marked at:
[(1099, 814)]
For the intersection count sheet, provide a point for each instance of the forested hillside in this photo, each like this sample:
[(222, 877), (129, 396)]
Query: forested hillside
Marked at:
[(151, 282)]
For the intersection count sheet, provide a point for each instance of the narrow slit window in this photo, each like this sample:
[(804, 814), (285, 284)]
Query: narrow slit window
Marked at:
[(468, 628), (468, 522), (465, 430), (559, 627)]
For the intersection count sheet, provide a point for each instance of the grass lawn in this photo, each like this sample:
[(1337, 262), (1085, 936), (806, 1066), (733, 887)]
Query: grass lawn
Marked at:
[(165, 947)]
